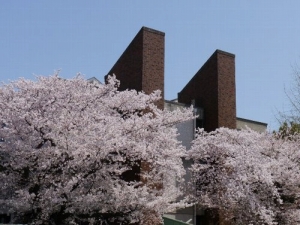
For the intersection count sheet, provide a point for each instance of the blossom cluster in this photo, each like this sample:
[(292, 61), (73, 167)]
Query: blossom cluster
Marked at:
[(76, 151), (251, 177)]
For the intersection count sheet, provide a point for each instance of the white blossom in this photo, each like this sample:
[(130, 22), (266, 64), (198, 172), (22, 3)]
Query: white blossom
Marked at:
[(72, 151), (252, 178)]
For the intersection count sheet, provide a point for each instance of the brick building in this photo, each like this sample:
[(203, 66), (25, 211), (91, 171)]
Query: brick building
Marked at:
[(211, 91)]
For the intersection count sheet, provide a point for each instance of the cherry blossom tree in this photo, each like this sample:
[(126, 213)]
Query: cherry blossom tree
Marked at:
[(250, 177), (78, 152)]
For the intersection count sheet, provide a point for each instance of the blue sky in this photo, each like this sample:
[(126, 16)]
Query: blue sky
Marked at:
[(39, 37)]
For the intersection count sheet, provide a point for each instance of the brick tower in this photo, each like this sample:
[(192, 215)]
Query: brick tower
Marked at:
[(141, 66), (213, 89)]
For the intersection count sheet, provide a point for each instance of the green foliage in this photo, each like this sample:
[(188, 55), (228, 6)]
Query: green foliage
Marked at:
[(288, 129)]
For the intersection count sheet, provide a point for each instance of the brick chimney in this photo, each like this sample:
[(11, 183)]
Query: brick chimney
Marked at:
[(213, 89), (141, 66)]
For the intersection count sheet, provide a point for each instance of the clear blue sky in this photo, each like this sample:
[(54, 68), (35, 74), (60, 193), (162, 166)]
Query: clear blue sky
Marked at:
[(39, 37)]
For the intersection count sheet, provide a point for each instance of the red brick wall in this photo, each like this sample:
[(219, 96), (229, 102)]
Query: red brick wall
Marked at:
[(153, 62), (226, 89), (213, 88), (141, 66)]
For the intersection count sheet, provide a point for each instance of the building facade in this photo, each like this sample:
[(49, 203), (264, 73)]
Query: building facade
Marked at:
[(211, 91)]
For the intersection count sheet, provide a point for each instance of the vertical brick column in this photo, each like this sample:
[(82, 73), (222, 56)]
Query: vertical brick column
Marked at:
[(213, 88), (141, 66), (226, 90)]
